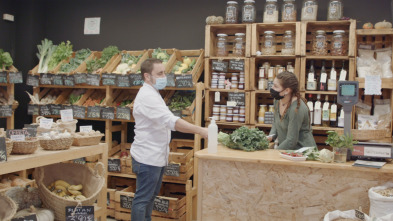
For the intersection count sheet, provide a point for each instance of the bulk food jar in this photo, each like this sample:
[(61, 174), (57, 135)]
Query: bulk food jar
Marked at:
[(335, 10), (238, 47), (269, 43), (232, 12), (249, 11), (222, 44), (319, 43), (270, 14), (338, 44), (288, 46), (288, 12), (309, 10)]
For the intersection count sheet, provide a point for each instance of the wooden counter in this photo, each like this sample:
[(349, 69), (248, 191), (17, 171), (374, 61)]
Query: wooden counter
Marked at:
[(238, 185)]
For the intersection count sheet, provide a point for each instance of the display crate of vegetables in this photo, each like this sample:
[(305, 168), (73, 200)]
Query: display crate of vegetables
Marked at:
[(6, 65), (188, 62), (128, 62), (100, 61), (75, 61), (182, 104), (72, 97), (167, 56), (125, 100), (8, 99), (93, 97)]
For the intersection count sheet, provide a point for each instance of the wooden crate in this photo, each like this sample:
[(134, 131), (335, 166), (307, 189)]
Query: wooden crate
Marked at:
[(188, 114), (111, 67), (172, 58), (256, 100), (209, 102), (125, 163), (211, 32), (308, 29), (350, 67), (198, 55), (111, 202), (209, 71), (256, 63), (92, 93), (94, 55), (259, 29)]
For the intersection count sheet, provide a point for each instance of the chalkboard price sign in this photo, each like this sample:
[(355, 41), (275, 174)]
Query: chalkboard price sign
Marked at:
[(32, 80), (32, 217), (58, 79), (83, 213), (5, 111), (3, 150), (108, 113), (45, 110), (184, 81), (170, 80), (16, 77), (238, 97), (161, 205), (33, 109), (172, 170), (93, 79), (114, 165), (220, 65), (94, 112), (80, 78), (126, 201), (123, 113), (79, 111), (123, 81), (69, 80), (3, 77), (109, 79), (46, 79), (236, 65), (136, 80), (55, 109), (24, 132), (80, 160)]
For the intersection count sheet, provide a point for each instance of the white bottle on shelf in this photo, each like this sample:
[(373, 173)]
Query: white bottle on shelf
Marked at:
[(212, 137)]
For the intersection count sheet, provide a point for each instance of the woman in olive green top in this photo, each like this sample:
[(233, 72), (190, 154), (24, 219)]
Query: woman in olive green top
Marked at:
[(291, 124)]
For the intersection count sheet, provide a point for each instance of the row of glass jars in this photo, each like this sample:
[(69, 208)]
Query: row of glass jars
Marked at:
[(237, 81), (223, 46), (229, 114), (338, 43), (269, 43), (288, 11), (265, 116), (267, 73)]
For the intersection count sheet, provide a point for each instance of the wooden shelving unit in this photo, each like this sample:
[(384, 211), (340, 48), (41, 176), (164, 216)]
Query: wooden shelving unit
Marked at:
[(8, 89)]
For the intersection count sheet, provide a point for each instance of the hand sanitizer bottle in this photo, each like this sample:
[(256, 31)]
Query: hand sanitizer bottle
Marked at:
[(212, 137)]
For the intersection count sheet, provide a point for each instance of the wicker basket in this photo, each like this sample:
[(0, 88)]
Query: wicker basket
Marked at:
[(29, 146), (57, 144), (9, 144), (87, 141), (41, 130), (68, 126), (7, 208), (364, 135), (92, 181)]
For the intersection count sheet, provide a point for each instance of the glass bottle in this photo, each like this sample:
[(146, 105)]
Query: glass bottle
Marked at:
[(232, 12), (270, 78), (290, 68), (269, 43), (309, 10), (343, 73), (335, 10), (338, 44), (270, 14), (311, 108), (249, 12), (333, 114), (261, 113), (238, 47), (326, 112), (318, 111), (222, 43), (288, 44), (288, 12), (332, 82), (311, 83), (319, 43), (323, 78)]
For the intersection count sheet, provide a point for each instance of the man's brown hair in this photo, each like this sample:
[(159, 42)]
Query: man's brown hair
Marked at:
[(147, 66)]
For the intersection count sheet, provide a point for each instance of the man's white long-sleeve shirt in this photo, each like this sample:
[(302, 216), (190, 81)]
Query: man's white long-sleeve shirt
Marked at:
[(153, 124)]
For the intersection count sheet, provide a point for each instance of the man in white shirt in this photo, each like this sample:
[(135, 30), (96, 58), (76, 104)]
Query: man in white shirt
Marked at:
[(150, 149)]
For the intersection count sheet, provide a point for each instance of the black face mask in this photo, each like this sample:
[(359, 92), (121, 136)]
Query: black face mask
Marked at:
[(275, 94)]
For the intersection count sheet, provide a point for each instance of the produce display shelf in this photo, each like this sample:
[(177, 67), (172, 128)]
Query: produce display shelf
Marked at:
[(96, 119), (227, 58), (133, 176)]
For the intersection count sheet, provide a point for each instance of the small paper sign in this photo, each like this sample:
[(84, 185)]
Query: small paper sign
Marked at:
[(114, 165), (236, 65), (93, 79), (16, 77), (172, 170), (82, 213), (373, 85), (238, 97), (221, 66), (108, 113), (184, 81), (69, 80), (80, 161), (46, 79), (66, 115), (58, 79), (3, 150), (170, 80), (46, 123), (5, 110), (79, 111), (33, 109), (3, 77), (108, 79), (80, 78), (123, 81), (136, 79), (161, 205), (33, 80), (32, 217), (86, 128), (18, 137), (94, 112), (29, 132), (45, 110), (55, 109), (123, 113), (126, 201)]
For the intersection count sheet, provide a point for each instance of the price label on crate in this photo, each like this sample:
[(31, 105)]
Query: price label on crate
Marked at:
[(16, 77), (360, 215), (87, 128), (80, 160), (136, 80), (184, 81), (161, 205), (80, 78), (109, 79), (31, 132), (236, 65), (55, 109), (94, 112), (45, 110), (123, 113), (58, 79), (3, 77), (123, 81), (170, 80), (80, 213), (79, 111), (3, 150), (108, 113), (172, 169), (114, 165), (221, 66), (69, 80), (46, 79), (126, 201), (32, 217), (46, 123), (66, 115), (93, 79), (18, 137), (238, 97), (5, 110), (24, 132), (33, 109), (33, 80)]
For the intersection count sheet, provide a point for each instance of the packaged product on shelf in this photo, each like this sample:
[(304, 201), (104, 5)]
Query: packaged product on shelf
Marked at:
[(366, 63), (319, 43), (383, 111), (381, 201), (309, 10), (335, 10), (367, 122), (288, 12), (261, 113), (339, 43), (270, 14), (238, 47), (288, 44), (232, 12), (384, 60), (222, 45), (269, 43), (249, 11)]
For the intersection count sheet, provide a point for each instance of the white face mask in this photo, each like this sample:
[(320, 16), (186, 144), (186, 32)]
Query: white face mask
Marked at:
[(160, 83)]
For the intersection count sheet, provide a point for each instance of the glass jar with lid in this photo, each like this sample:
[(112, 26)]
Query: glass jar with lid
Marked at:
[(335, 10), (249, 11), (222, 44), (288, 47), (261, 113), (270, 14), (238, 47), (232, 12), (288, 12), (319, 43), (309, 10), (338, 44), (269, 43)]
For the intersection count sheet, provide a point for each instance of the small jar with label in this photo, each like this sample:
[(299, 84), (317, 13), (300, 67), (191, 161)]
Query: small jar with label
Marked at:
[(266, 65), (309, 10), (222, 44), (242, 118), (262, 72), (319, 43), (222, 76), (214, 86), (262, 84), (229, 110), (232, 12), (279, 69), (249, 11), (236, 110), (261, 113), (216, 109), (290, 68), (242, 110), (223, 117), (223, 109), (214, 75), (236, 118), (238, 47), (269, 43), (242, 77), (229, 118), (235, 76), (335, 10), (288, 44), (339, 43), (234, 85), (271, 108), (270, 14), (216, 117), (240, 86), (288, 12)]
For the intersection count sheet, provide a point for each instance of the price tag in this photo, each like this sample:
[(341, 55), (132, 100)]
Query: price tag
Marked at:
[(5, 110), (55, 109), (82, 213), (45, 110), (236, 65), (238, 97), (18, 137), (33, 80), (3, 77), (108, 113), (231, 104), (29, 132), (94, 112), (69, 80), (93, 79), (136, 80), (79, 111), (86, 128), (46, 123), (32, 217), (123, 113), (184, 81), (343, 75), (3, 150), (58, 79), (161, 205), (217, 97), (221, 66), (360, 215), (66, 115), (46, 79), (80, 78), (126, 201), (108, 79), (172, 170), (170, 80), (333, 74), (80, 161), (123, 81), (16, 77), (114, 165)]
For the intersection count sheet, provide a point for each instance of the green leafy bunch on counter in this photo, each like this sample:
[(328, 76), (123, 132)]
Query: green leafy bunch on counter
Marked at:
[(62, 52), (74, 63), (245, 139), (5, 60), (181, 100)]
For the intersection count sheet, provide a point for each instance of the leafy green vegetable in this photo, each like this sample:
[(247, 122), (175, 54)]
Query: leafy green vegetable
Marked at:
[(63, 51), (45, 51), (92, 65), (160, 54), (80, 56), (181, 100), (107, 54), (75, 98), (245, 139), (130, 59), (5, 60), (335, 140)]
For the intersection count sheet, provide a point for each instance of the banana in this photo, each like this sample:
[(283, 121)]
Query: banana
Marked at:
[(75, 192), (75, 187), (62, 188), (59, 192), (80, 197), (61, 183), (68, 197)]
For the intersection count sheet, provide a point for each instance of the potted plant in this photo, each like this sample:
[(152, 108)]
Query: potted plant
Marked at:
[(340, 144)]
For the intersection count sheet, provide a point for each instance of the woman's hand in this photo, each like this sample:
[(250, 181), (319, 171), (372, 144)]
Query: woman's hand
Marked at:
[(270, 138)]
